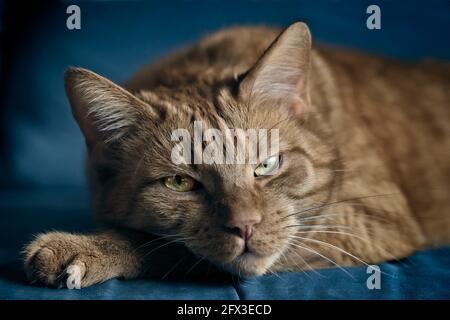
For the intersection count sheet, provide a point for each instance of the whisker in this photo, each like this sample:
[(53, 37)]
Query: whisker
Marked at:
[(317, 217), (392, 257), (303, 260), (313, 227), (335, 232), (308, 265), (159, 247), (337, 202), (353, 204), (317, 226), (174, 267), (328, 215), (296, 244), (195, 264), (277, 275), (146, 244), (284, 257), (340, 250)]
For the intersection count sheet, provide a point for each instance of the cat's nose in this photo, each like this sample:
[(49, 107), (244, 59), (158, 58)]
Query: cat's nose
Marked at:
[(243, 227)]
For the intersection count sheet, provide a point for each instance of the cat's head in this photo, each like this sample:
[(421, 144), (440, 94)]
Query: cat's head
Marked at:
[(239, 216)]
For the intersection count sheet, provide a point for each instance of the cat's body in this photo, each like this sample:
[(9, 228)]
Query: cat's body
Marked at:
[(364, 178)]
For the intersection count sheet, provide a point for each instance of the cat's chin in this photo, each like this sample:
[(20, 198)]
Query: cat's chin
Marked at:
[(251, 264)]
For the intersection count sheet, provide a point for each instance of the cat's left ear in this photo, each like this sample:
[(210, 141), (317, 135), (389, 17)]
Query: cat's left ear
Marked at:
[(281, 75)]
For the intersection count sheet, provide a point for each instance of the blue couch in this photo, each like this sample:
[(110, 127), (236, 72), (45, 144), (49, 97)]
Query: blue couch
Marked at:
[(42, 181)]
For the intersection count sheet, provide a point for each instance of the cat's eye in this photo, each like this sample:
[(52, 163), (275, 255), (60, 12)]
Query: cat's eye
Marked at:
[(180, 183), (268, 166)]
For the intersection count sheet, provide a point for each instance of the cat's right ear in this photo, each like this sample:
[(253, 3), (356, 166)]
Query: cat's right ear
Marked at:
[(105, 112)]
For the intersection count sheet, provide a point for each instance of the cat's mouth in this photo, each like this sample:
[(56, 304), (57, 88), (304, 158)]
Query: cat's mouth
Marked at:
[(243, 257), (250, 263)]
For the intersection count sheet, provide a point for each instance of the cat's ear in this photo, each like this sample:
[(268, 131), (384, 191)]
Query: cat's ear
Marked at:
[(281, 74), (104, 111)]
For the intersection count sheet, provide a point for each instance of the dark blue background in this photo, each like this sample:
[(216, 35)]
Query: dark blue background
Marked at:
[(42, 180)]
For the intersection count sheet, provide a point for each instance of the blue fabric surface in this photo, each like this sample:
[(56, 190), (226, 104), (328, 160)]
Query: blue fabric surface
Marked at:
[(42, 151), (424, 276)]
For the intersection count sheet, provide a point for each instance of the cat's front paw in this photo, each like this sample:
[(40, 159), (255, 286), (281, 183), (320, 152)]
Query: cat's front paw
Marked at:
[(62, 260)]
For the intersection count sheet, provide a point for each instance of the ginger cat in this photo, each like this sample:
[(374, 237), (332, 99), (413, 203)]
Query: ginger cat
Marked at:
[(363, 163)]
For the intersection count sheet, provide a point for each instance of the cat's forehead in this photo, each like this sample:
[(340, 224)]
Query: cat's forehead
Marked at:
[(198, 115), (213, 105)]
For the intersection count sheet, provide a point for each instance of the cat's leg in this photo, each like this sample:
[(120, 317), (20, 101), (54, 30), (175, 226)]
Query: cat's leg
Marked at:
[(75, 261)]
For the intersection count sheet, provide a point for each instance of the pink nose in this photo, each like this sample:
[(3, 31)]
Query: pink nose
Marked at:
[(243, 227)]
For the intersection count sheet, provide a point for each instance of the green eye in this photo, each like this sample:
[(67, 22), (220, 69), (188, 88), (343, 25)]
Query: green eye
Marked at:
[(267, 167), (180, 183)]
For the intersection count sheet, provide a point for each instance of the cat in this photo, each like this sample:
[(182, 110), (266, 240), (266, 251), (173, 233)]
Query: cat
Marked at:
[(363, 164)]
